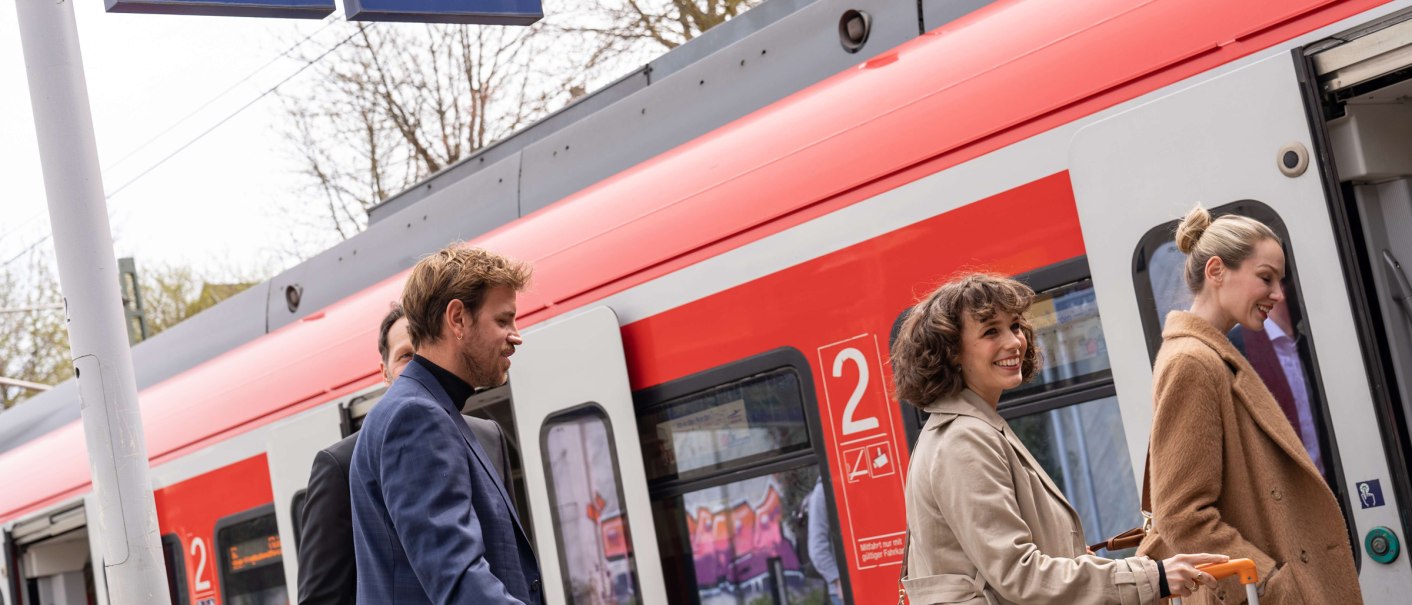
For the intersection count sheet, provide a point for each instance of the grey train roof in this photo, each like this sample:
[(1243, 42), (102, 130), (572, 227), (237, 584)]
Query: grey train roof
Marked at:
[(757, 58)]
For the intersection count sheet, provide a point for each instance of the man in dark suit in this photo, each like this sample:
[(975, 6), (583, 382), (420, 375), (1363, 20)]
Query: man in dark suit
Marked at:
[(432, 523), (327, 574)]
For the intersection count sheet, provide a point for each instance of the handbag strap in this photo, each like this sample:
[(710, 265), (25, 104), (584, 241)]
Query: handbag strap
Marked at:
[(902, 575)]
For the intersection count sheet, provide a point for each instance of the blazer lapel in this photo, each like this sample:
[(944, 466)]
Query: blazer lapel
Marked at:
[(1249, 390), (423, 377)]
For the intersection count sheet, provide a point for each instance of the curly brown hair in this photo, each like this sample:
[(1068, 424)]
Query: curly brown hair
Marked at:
[(926, 357)]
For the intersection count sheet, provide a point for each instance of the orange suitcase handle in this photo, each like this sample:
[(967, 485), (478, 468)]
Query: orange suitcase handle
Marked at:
[(1244, 568)]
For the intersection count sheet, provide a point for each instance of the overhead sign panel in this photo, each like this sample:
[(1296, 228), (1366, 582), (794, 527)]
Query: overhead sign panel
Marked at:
[(481, 12), (298, 9)]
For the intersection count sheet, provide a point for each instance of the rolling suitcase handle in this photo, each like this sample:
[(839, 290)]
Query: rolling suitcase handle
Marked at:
[(1246, 570)]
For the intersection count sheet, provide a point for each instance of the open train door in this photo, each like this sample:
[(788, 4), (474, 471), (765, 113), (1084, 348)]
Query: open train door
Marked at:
[(584, 474), (1238, 140)]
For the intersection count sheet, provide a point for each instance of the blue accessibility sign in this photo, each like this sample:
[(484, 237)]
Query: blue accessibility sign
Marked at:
[(1370, 493)]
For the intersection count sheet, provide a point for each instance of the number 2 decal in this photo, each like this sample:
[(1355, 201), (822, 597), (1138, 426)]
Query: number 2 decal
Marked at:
[(850, 425), (197, 544)]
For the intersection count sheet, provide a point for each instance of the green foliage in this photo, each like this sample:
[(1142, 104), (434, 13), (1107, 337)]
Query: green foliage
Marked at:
[(35, 342)]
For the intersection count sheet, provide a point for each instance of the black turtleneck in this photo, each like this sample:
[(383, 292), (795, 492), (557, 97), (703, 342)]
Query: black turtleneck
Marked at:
[(457, 389)]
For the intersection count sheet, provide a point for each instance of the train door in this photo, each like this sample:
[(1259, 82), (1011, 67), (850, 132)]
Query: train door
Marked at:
[(292, 446), (1237, 140), (1357, 86), (583, 467), (54, 559)]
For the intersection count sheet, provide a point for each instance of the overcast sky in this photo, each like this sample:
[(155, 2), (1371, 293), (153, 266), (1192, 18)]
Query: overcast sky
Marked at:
[(215, 204)]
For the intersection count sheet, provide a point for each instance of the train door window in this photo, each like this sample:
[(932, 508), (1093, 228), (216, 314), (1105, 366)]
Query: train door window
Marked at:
[(733, 463), (176, 568), (1282, 354), (586, 497), (251, 558)]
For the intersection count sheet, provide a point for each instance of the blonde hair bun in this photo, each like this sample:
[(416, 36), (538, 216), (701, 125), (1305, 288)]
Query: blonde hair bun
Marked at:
[(1192, 227)]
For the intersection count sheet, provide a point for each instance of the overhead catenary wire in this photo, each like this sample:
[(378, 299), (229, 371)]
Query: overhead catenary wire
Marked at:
[(269, 91), (330, 22)]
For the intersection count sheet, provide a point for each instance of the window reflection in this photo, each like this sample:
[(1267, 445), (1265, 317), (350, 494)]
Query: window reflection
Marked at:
[(1085, 451), (590, 520), (735, 423), (748, 539), (1069, 332)]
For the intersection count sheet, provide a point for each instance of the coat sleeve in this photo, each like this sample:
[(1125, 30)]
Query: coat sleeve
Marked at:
[(975, 491), (325, 550), (425, 478), (1191, 397)]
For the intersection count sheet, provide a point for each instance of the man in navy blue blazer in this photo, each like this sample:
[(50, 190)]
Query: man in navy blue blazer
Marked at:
[(432, 521)]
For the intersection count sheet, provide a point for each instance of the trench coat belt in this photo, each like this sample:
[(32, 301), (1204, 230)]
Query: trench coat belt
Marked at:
[(946, 588)]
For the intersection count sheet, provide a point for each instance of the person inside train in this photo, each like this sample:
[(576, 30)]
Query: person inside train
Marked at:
[(1274, 353), (327, 574), (820, 547), (431, 521), (985, 522), (1230, 474)]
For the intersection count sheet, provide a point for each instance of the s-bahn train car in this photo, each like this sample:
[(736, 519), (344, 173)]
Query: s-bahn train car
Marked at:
[(707, 336)]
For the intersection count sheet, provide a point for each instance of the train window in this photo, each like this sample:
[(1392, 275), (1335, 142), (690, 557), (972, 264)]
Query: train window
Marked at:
[(251, 558), (731, 424), (176, 568), (586, 496), (742, 508), (1068, 417), (1068, 331), (1282, 354)]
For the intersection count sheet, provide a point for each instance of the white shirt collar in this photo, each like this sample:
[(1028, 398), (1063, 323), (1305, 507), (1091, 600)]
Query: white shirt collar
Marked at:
[(1274, 331)]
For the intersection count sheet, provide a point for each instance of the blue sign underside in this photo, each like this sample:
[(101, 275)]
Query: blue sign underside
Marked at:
[(478, 12), (297, 9)]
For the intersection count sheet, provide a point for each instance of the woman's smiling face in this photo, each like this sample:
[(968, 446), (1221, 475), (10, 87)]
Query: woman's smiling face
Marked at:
[(992, 353), (1248, 293)]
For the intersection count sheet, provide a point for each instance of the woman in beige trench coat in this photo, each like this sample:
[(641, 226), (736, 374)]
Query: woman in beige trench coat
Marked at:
[(986, 524), (1233, 475)]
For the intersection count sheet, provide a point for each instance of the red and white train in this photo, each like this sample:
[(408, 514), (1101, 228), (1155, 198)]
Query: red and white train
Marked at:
[(707, 334)]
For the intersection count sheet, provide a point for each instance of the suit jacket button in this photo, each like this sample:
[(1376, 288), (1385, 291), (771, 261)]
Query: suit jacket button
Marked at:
[(1304, 556), (534, 586), (1277, 495)]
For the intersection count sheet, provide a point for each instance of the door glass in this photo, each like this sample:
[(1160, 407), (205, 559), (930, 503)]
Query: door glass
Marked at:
[(1280, 353), (587, 501)]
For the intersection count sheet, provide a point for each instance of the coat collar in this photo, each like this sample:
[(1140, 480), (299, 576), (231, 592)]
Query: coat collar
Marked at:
[(1249, 389), (968, 403)]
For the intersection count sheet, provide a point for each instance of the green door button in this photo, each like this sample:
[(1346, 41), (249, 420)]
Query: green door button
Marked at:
[(1382, 545)]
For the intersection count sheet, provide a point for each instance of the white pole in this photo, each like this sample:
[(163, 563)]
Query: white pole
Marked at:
[(88, 273)]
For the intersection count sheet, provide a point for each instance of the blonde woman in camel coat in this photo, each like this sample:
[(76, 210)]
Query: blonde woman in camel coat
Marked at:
[(1229, 474), (987, 525)]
